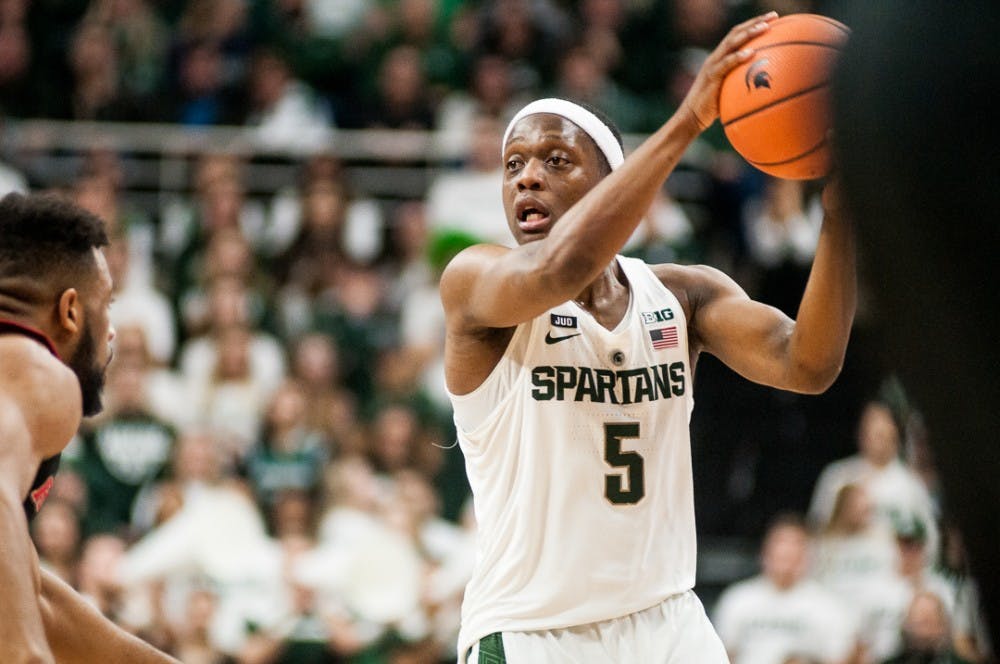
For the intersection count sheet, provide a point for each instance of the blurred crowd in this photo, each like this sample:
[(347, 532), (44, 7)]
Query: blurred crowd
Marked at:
[(275, 476)]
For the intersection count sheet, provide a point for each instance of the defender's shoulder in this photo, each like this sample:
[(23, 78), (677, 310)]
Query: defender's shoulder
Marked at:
[(44, 390)]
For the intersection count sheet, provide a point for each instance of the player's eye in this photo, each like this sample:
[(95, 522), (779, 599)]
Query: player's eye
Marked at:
[(513, 164), (557, 160)]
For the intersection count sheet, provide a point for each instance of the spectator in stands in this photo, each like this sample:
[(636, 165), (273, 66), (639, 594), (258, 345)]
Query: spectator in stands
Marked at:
[(407, 251), (897, 493), (917, 563), (583, 77), (214, 534), (468, 200), (781, 232), (97, 92), (221, 22), (352, 308), (926, 633), (285, 112), (527, 33), (856, 558), (57, 535), (400, 441), (96, 579), (230, 305), (288, 455), (232, 397), (201, 96), (197, 464), (139, 304), (782, 612), (227, 259), (141, 38), (490, 92), (163, 389), (187, 225), (331, 409), (401, 100), (971, 635), (11, 179), (351, 502), (123, 451), (17, 94)]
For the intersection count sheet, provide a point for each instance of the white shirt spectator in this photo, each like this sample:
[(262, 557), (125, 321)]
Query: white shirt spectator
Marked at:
[(762, 624), (12, 181), (861, 571), (297, 121), (895, 490)]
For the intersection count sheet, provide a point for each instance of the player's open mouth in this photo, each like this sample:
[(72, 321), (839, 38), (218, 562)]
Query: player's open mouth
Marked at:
[(533, 220)]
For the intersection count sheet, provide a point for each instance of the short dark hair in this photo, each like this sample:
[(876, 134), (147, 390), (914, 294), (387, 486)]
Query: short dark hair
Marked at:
[(48, 239)]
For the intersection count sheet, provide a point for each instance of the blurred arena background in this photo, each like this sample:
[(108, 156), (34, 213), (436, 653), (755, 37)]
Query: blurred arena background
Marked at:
[(275, 478)]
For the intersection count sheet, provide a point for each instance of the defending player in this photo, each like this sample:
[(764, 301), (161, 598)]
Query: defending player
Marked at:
[(570, 370), (55, 290)]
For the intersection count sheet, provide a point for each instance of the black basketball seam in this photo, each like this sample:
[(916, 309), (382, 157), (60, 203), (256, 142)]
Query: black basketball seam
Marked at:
[(775, 103), (837, 24), (788, 161), (836, 47)]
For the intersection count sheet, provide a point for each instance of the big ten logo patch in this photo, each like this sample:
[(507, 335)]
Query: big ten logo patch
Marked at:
[(651, 317)]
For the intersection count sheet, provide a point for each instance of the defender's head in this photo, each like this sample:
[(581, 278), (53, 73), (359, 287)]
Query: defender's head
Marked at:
[(554, 152), (53, 275)]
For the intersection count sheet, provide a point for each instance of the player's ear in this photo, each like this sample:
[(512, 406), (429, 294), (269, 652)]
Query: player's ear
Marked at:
[(69, 312)]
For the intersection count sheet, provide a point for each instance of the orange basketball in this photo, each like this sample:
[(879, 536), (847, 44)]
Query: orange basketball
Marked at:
[(775, 107)]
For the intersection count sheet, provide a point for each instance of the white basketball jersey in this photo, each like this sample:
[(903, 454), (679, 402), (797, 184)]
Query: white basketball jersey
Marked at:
[(578, 453)]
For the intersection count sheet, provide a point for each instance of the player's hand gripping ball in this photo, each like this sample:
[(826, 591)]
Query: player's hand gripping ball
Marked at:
[(775, 107)]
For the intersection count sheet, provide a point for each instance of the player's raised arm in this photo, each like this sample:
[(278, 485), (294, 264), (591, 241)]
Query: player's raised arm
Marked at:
[(766, 346), (547, 163)]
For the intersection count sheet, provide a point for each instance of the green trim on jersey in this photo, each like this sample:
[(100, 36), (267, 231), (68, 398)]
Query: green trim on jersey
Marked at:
[(491, 649)]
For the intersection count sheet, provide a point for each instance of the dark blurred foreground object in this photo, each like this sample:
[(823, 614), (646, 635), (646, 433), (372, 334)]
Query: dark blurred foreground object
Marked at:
[(919, 155)]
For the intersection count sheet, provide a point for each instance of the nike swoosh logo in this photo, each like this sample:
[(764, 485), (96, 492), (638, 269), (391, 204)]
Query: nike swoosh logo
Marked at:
[(549, 339)]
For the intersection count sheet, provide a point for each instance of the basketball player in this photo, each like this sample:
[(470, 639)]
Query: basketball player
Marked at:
[(570, 371), (55, 291)]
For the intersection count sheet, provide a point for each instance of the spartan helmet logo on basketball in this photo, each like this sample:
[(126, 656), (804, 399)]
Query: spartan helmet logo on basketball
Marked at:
[(757, 75)]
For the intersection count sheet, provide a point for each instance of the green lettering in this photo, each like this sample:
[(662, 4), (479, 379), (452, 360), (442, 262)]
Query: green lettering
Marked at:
[(606, 383), (623, 380), (677, 378), (541, 378), (586, 387), (565, 380), (661, 382), (644, 387)]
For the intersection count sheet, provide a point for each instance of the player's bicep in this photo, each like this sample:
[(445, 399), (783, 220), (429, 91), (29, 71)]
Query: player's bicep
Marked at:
[(750, 337), (489, 286)]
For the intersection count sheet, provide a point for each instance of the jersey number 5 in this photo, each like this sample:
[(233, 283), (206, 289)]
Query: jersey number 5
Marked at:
[(632, 462)]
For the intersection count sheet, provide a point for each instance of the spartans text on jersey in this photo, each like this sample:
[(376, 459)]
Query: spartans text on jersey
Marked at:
[(623, 387)]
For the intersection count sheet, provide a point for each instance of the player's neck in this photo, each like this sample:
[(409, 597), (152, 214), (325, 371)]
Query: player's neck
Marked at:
[(15, 311), (606, 297)]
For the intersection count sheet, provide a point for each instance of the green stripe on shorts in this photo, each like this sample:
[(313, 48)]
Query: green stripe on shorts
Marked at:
[(491, 649)]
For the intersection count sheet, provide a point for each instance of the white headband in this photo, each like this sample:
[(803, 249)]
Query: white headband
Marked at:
[(582, 118)]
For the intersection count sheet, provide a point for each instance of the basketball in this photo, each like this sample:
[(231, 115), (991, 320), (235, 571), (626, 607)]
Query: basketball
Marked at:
[(775, 107)]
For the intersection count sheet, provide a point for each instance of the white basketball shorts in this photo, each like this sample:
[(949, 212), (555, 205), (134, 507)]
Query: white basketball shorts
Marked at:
[(676, 631)]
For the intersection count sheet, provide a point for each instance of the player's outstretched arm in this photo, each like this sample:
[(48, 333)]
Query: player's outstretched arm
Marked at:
[(492, 287), (79, 634), (763, 344)]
